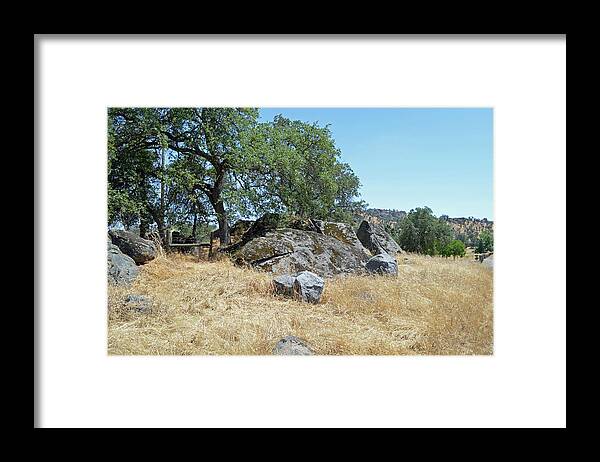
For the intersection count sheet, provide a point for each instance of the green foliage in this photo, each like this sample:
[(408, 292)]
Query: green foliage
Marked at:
[(294, 167), (455, 248), (422, 232), (173, 166), (121, 208), (131, 166), (485, 241)]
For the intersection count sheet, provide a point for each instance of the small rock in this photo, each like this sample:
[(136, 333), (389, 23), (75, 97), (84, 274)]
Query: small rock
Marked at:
[(284, 285), (383, 264), (138, 302), (309, 286), (292, 346)]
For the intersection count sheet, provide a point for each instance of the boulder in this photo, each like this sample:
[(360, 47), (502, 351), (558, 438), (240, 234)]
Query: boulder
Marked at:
[(341, 231), (141, 250), (383, 263), (266, 223), (284, 285), (344, 233), (238, 229), (290, 251), (292, 346), (121, 268), (309, 287), (488, 262), (307, 224), (376, 239)]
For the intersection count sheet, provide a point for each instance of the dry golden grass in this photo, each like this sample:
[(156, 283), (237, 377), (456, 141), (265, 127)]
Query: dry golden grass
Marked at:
[(434, 307)]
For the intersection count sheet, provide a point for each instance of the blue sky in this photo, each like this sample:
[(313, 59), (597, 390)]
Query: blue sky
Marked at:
[(407, 158)]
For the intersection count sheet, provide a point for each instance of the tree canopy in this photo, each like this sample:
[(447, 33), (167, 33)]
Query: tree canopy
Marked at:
[(422, 232), (485, 241), (171, 166)]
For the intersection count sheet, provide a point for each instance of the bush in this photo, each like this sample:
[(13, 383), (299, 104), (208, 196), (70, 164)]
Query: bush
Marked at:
[(454, 249)]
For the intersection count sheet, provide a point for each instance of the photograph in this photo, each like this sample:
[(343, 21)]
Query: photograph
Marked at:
[(292, 231), (300, 231)]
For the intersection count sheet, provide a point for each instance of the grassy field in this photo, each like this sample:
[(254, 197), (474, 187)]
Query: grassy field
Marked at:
[(435, 306)]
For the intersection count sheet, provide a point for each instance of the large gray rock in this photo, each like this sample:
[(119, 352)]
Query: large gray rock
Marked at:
[(307, 224), (292, 346), (340, 231), (141, 250), (376, 239), (383, 263), (266, 223), (284, 285), (121, 268), (290, 251), (309, 287), (344, 233), (488, 262)]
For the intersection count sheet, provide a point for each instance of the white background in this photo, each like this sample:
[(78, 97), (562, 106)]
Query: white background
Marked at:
[(522, 384)]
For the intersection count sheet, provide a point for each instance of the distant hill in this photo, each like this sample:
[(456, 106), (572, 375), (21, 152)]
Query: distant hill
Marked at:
[(465, 229), (384, 217), (468, 229)]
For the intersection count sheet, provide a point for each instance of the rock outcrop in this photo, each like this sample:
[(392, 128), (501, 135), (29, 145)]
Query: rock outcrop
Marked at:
[(340, 231), (141, 250), (121, 268), (383, 263), (307, 224), (266, 223), (344, 233), (292, 346), (290, 251), (376, 239)]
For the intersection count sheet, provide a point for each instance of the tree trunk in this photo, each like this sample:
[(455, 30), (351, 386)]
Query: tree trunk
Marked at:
[(162, 181), (162, 231), (194, 226), (144, 218), (144, 226), (161, 221), (223, 225), (217, 203)]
